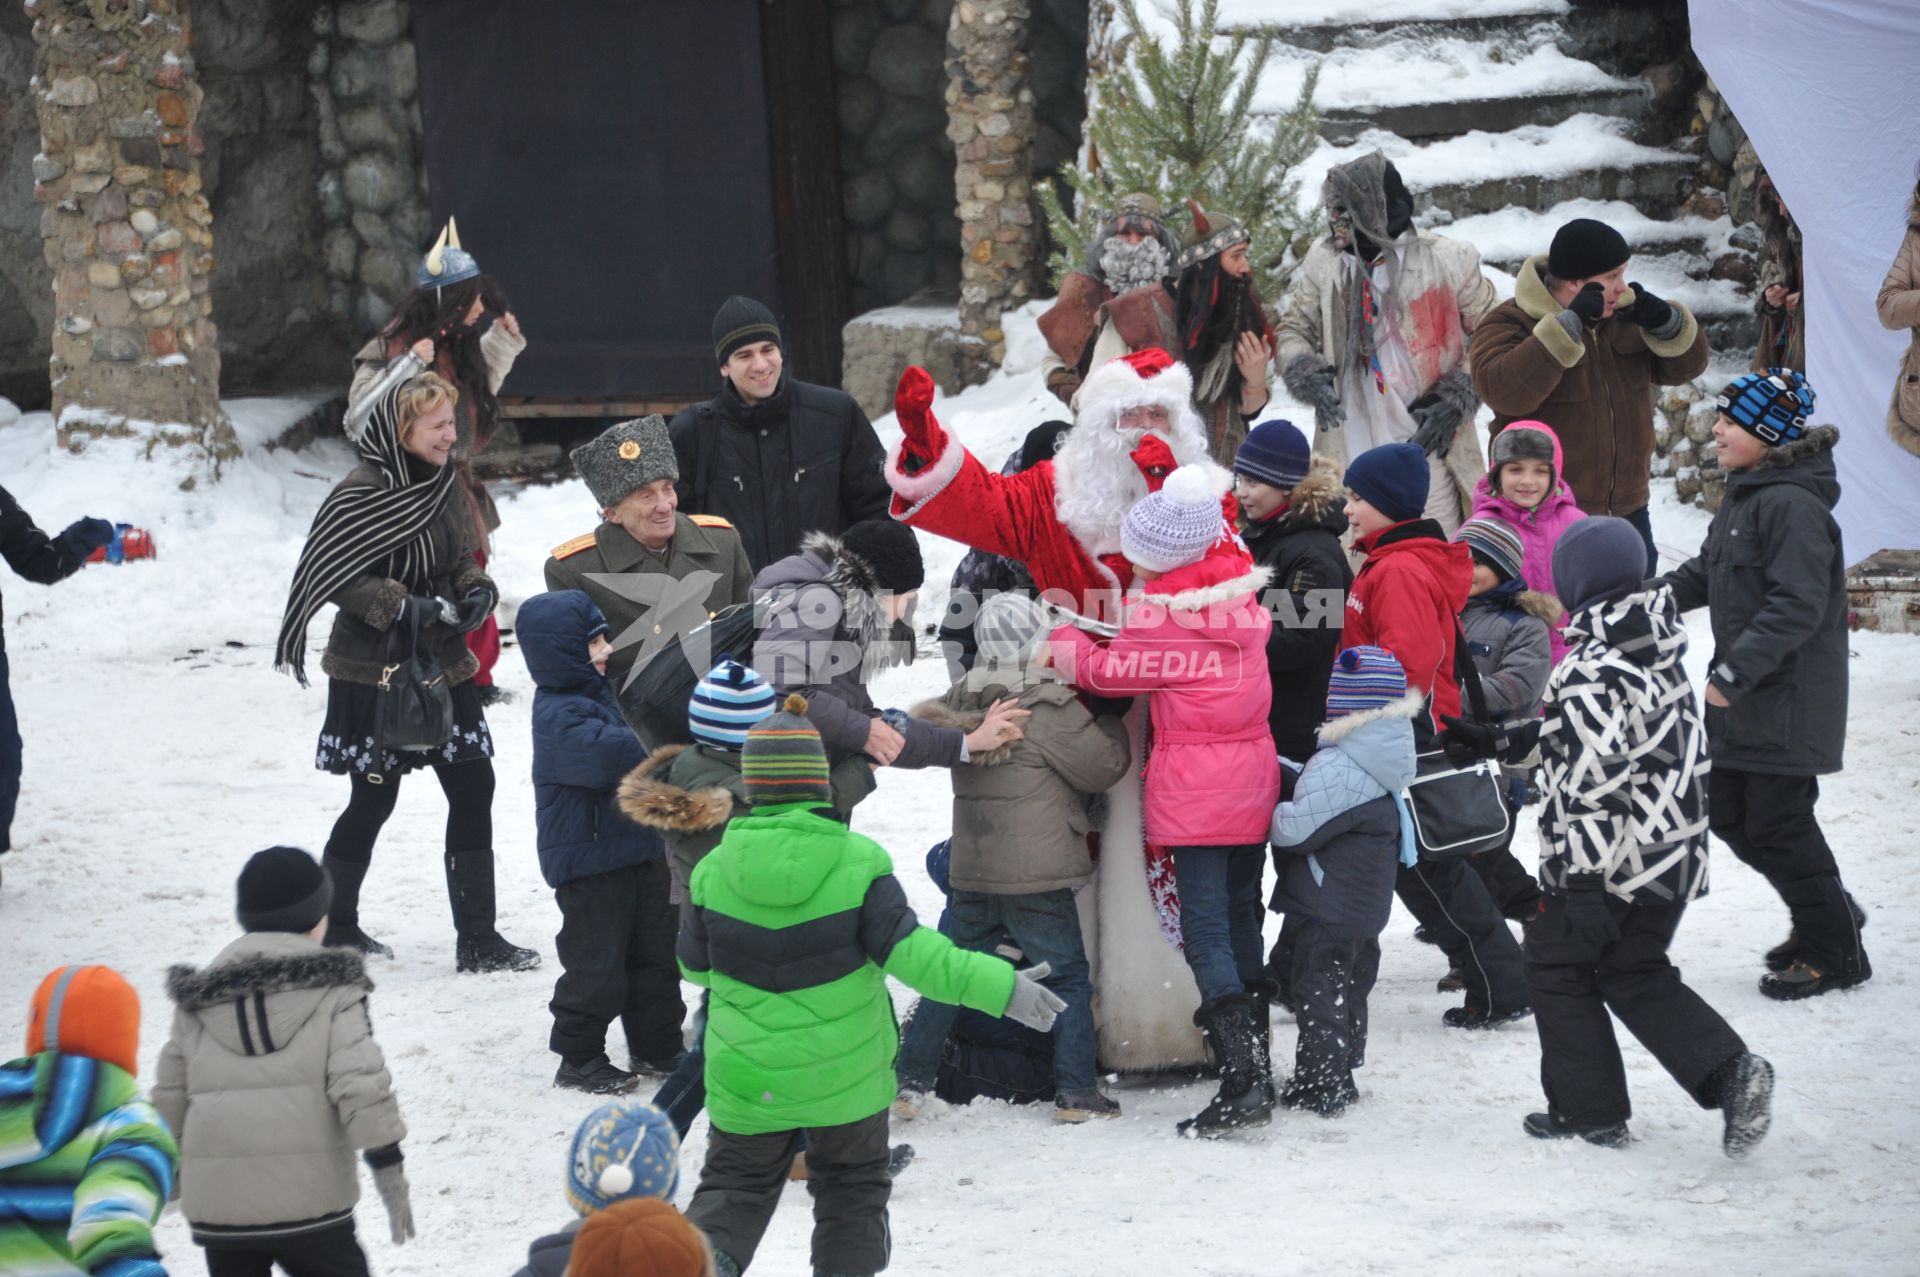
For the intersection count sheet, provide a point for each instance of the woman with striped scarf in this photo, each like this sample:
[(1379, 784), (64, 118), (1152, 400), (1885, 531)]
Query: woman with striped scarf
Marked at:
[(394, 543)]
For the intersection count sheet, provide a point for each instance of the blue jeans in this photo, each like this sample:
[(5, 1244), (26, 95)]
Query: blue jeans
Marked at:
[(1220, 915), (1642, 521), (1045, 926)]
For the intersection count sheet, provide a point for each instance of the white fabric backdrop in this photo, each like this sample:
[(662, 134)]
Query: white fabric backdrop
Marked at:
[(1829, 91)]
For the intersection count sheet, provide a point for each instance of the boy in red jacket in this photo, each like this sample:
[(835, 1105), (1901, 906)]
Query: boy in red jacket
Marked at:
[(1407, 598)]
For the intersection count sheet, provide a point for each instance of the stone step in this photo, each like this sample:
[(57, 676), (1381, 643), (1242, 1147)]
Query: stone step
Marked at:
[(1655, 188), (1429, 121), (1409, 21)]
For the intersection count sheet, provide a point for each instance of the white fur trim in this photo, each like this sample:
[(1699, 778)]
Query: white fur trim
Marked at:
[(1206, 596), (1143, 990), (1114, 385), (1408, 706), (918, 489)]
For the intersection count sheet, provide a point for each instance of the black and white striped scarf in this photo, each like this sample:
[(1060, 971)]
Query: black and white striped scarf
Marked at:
[(360, 524)]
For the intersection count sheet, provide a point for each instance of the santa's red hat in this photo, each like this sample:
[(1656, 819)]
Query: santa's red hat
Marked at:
[(1147, 376)]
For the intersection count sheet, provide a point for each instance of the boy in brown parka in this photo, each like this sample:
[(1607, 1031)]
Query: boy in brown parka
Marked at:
[(271, 1081), (1019, 845)]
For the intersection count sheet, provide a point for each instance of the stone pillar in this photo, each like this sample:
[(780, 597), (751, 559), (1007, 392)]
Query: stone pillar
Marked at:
[(126, 230), (990, 119), (373, 190)]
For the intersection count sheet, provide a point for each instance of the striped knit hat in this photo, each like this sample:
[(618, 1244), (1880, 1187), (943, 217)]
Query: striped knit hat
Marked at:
[(729, 700), (1495, 543), (784, 761), (1364, 678)]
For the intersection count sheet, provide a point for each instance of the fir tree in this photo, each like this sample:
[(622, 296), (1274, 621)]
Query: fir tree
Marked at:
[(1173, 120)]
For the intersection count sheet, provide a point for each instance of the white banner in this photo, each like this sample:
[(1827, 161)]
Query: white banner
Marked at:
[(1829, 92)]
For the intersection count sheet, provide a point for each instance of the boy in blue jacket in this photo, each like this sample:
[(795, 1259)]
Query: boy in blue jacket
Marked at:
[(1339, 841), (608, 874)]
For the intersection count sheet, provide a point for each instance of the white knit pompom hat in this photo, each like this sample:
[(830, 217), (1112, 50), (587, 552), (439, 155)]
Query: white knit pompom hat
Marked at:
[(1173, 527)]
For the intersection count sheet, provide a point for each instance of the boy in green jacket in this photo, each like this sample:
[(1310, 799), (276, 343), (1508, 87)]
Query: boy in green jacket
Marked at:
[(793, 923)]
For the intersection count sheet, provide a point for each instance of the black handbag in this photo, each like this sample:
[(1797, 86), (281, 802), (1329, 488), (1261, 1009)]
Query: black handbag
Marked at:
[(655, 698), (415, 709), (1459, 810)]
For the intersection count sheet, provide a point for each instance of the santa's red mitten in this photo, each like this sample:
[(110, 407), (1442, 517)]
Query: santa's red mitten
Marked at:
[(1155, 460), (913, 405)]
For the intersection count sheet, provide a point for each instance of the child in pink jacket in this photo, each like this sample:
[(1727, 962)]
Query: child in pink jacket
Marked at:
[(1524, 487), (1194, 642)]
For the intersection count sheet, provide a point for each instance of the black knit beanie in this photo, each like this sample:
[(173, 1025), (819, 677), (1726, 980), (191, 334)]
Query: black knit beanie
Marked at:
[(891, 550), (283, 889), (1042, 442), (1584, 248), (741, 321)]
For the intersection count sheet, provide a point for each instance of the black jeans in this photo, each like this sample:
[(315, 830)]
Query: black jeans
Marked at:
[(1769, 823), (1575, 985), (9, 758), (741, 1183), (332, 1252), (1450, 900), (616, 939), (1642, 521)]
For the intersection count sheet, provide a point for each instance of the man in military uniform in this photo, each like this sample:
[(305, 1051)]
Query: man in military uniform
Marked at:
[(654, 573)]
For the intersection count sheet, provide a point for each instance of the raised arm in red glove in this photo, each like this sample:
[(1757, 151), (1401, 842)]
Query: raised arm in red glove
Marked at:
[(1156, 461), (913, 405)]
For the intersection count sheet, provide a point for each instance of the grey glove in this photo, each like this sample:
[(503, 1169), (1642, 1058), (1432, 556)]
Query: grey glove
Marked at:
[(1032, 1003), (1323, 390), (1437, 422), (391, 1183)]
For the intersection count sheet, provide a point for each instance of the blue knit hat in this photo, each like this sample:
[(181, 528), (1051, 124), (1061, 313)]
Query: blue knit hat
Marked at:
[(622, 1151), (729, 700), (1598, 560), (1274, 453), (1771, 405), (1393, 479), (1364, 678)]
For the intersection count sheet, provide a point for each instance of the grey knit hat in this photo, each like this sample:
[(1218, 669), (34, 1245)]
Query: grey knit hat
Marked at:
[(1008, 627), (625, 457), (1173, 527)]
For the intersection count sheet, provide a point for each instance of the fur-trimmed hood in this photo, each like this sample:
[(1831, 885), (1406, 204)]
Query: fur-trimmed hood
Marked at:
[(276, 978), (1534, 603), (1379, 740), (647, 797), (1317, 496), (851, 578), (1807, 462)]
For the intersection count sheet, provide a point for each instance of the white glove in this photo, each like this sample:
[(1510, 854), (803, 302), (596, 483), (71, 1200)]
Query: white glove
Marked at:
[(391, 1183), (1032, 1003)]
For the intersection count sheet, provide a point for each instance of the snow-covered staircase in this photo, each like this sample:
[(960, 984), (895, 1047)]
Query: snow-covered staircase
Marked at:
[(1504, 128)]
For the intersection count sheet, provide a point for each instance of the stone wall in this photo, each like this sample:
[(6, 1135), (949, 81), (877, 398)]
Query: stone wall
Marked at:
[(127, 230), (373, 184), (990, 118), (26, 282), (896, 161)]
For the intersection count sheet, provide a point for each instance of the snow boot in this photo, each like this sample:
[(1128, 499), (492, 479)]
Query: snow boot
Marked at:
[(596, 1076), (1242, 1102), (663, 1067), (909, 1102), (1451, 982), (1547, 1126), (899, 1157), (343, 915), (478, 946), (1264, 994), (1473, 1017), (1324, 1101), (1787, 952), (1742, 1088), (1084, 1106), (1800, 981)]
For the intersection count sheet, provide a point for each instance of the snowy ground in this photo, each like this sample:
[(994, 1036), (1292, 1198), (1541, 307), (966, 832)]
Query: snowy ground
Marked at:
[(162, 749)]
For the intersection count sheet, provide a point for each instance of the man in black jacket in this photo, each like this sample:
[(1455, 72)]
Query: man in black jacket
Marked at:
[(43, 560), (776, 457)]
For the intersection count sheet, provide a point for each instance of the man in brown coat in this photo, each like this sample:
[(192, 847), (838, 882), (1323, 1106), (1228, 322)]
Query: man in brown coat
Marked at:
[(1581, 349)]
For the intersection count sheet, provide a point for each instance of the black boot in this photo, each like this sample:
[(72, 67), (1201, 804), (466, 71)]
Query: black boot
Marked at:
[(470, 890), (1742, 1089), (1787, 952), (1264, 993), (343, 915), (1549, 1126), (1243, 1101)]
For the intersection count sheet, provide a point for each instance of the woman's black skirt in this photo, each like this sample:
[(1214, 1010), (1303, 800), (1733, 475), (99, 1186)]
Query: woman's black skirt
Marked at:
[(347, 736)]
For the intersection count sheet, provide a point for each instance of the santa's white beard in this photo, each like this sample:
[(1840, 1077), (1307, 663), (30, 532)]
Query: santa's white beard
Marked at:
[(1095, 482)]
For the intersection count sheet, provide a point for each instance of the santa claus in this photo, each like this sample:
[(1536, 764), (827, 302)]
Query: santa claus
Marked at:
[(1134, 426)]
